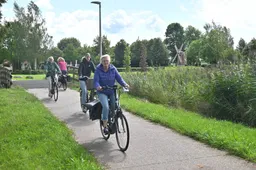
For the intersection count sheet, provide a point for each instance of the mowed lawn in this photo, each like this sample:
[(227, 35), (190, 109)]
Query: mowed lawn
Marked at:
[(32, 138), (28, 76)]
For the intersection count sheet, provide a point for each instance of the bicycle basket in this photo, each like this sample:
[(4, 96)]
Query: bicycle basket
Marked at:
[(89, 84)]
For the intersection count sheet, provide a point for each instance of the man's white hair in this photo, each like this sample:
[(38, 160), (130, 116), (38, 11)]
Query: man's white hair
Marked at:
[(105, 56)]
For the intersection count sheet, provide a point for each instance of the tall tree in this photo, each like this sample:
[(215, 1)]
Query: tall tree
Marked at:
[(252, 50), (136, 52), (105, 45), (143, 57), (157, 53), (174, 36), (150, 52), (70, 53), (191, 34), (229, 39), (119, 52), (1, 3), (193, 52), (31, 32), (55, 52), (127, 59), (241, 45), (213, 46), (66, 41), (216, 44), (82, 51), (14, 42)]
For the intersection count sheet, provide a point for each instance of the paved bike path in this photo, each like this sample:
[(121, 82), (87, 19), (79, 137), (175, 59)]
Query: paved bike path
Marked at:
[(152, 147)]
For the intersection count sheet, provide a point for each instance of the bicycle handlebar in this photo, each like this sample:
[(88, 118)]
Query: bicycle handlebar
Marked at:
[(114, 88), (83, 77)]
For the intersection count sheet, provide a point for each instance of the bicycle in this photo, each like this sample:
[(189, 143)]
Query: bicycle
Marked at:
[(62, 81), (95, 109), (54, 90)]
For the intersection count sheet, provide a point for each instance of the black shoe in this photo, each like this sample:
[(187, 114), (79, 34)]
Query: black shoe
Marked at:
[(106, 130)]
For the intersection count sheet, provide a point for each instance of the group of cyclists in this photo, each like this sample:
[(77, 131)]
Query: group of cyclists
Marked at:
[(54, 69), (105, 74)]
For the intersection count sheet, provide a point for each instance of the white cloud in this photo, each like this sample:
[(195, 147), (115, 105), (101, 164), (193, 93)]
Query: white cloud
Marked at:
[(83, 25), (44, 4), (144, 24), (182, 8), (79, 24), (237, 15)]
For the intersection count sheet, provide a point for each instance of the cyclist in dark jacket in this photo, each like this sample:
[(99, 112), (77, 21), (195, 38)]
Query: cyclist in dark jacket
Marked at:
[(84, 71)]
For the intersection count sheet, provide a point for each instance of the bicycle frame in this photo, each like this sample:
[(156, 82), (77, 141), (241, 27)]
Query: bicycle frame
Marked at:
[(54, 82)]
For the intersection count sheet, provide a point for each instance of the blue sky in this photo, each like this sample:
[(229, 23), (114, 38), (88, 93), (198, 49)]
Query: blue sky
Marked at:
[(130, 19)]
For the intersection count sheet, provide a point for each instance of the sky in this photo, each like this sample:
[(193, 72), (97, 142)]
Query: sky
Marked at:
[(143, 19)]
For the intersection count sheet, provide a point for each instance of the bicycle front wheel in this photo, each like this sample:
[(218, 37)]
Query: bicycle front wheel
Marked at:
[(122, 133), (56, 92), (105, 136)]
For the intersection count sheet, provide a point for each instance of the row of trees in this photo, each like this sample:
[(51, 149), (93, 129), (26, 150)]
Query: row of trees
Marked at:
[(26, 38)]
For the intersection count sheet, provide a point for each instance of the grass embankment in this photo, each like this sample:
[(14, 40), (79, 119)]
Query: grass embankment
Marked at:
[(236, 139), (32, 138)]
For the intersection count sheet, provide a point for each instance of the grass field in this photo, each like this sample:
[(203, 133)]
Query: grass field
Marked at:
[(24, 77), (32, 138)]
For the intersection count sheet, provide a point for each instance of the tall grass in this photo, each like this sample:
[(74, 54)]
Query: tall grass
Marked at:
[(232, 94), (180, 87), (224, 93)]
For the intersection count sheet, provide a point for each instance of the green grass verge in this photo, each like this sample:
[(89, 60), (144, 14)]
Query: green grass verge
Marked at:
[(32, 138), (35, 76), (234, 138), (23, 76)]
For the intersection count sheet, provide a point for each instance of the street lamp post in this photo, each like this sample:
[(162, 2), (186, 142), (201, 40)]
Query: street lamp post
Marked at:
[(100, 43)]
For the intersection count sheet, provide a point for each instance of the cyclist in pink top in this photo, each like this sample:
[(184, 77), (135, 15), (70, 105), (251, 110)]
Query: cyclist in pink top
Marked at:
[(63, 65)]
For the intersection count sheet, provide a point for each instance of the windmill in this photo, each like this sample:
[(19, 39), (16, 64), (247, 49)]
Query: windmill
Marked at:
[(181, 56)]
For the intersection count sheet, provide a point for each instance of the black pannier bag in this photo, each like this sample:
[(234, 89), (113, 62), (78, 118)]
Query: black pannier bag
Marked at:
[(95, 109)]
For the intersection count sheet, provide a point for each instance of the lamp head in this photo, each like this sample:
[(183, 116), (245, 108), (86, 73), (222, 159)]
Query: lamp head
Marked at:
[(96, 2)]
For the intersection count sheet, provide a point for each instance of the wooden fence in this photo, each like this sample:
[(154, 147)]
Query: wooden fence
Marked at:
[(74, 71)]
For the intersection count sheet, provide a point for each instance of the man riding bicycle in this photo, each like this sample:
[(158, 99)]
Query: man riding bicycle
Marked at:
[(52, 69), (84, 71)]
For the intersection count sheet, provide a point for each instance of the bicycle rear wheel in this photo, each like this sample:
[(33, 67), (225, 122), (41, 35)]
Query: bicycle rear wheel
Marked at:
[(122, 133), (105, 136), (56, 92), (65, 85)]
